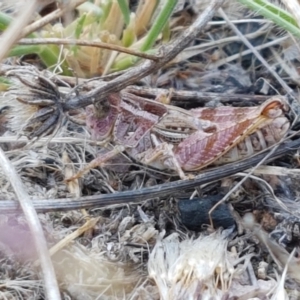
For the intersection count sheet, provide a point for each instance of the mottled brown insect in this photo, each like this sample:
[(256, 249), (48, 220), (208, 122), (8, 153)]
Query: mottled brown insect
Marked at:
[(170, 138)]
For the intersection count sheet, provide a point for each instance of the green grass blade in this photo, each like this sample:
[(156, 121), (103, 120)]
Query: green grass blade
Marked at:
[(4, 20), (125, 10), (274, 13), (159, 24)]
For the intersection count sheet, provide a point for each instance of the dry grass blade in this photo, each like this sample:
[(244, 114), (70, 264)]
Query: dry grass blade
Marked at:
[(12, 34), (273, 170), (50, 17), (68, 239), (51, 286), (260, 47), (257, 54)]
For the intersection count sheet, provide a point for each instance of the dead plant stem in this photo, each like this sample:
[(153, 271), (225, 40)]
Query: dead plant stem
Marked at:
[(73, 42), (182, 97)]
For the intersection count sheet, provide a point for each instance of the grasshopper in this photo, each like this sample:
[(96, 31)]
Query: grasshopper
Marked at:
[(171, 138)]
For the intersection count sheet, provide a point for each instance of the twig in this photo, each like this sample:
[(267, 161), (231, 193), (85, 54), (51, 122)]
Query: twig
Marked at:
[(144, 194), (182, 97), (136, 73), (178, 97), (73, 42), (51, 286)]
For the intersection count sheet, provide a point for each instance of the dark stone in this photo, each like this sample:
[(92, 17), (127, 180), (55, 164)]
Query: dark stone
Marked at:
[(194, 213)]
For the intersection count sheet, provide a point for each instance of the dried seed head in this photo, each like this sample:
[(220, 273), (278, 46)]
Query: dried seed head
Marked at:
[(187, 269), (34, 101)]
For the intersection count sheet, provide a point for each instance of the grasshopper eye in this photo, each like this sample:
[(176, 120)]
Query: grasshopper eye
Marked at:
[(272, 111), (275, 107), (166, 137), (4, 110)]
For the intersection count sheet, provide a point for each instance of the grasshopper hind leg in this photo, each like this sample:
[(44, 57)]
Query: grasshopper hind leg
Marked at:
[(162, 157)]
